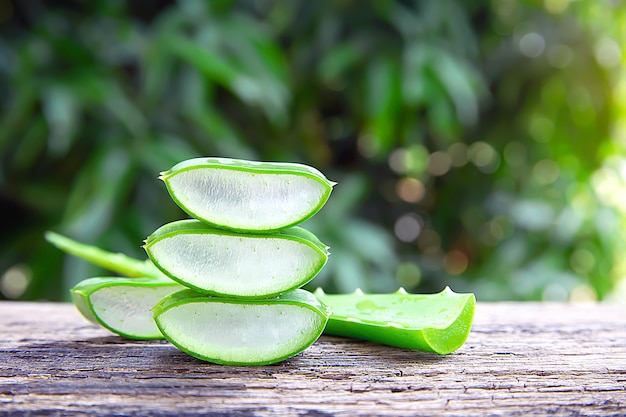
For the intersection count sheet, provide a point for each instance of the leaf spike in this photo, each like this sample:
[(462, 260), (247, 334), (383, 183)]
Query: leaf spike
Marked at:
[(401, 290), (358, 291), (319, 292)]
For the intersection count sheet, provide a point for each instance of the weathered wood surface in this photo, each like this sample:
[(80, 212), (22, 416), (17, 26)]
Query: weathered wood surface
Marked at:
[(520, 359)]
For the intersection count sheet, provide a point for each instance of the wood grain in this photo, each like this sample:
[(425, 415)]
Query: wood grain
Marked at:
[(520, 359)]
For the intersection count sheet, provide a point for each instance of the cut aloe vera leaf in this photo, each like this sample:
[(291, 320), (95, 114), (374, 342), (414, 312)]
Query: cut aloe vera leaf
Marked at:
[(234, 332), (245, 195), (223, 263), (123, 305), (437, 323), (114, 262)]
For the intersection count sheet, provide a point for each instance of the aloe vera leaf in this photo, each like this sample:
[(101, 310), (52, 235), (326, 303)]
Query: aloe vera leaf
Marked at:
[(114, 262), (425, 322), (246, 195), (437, 323), (234, 332), (223, 263), (123, 305)]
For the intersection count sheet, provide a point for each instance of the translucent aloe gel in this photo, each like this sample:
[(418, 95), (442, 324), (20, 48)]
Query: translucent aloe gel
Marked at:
[(218, 262), (123, 305), (228, 331), (247, 196)]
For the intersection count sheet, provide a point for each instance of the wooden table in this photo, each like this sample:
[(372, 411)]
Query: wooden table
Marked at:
[(520, 359)]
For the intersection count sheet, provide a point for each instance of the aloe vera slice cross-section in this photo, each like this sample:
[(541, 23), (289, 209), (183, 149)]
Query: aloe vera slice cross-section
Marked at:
[(123, 305), (437, 323), (219, 262), (247, 195), (251, 332)]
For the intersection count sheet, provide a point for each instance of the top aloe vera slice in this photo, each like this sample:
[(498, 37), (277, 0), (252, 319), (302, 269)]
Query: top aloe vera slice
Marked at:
[(224, 263), (437, 323), (245, 195)]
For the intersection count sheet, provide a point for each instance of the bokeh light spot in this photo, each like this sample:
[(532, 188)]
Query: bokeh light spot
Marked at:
[(439, 163), (532, 45), (583, 293), (582, 261), (458, 154), (455, 262), (408, 274), (546, 171), (410, 190), (608, 53), (15, 281), (556, 6), (397, 160), (484, 156), (408, 227), (412, 160), (555, 292)]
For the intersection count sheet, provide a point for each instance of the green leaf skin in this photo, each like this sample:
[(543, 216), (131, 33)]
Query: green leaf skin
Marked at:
[(123, 305), (114, 262), (438, 323), (234, 332), (247, 196), (222, 263)]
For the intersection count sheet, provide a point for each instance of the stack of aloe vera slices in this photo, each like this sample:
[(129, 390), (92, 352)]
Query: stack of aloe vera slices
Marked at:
[(243, 259), (225, 289)]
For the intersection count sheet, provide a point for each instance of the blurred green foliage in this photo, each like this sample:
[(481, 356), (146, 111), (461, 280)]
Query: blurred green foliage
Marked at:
[(475, 144)]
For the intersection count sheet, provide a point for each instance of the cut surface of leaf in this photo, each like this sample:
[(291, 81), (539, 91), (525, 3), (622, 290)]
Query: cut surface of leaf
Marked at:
[(247, 195), (437, 323), (234, 332), (218, 262), (123, 305)]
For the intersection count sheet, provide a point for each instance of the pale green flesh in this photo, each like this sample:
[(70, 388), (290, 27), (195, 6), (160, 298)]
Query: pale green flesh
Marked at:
[(437, 323), (237, 197), (240, 333), (123, 306), (236, 265)]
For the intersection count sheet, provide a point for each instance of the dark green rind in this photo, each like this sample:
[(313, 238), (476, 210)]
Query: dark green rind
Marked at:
[(438, 323), (193, 226), (297, 297), (81, 292), (252, 167), (115, 262)]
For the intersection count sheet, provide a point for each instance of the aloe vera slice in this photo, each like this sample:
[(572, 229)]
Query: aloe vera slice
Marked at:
[(247, 195), (437, 323), (218, 262), (123, 305), (234, 332)]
